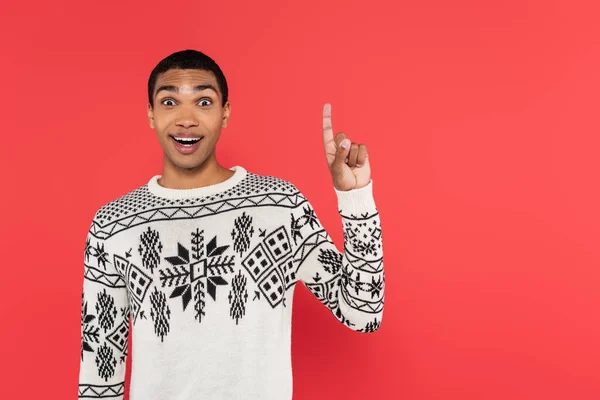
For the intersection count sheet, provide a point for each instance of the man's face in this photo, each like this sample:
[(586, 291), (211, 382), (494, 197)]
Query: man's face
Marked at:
[(187, 115)]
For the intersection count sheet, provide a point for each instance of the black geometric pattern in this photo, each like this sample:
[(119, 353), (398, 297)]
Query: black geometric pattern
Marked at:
[(140, 206), (272, 286), (371, 326), (105, 308), (101, 391), (90, 332), (363, 235), (103, 278), (100, 255), (242, 233), (278, 244), (118, 337), (238, 297), (160, 313), (150, 249), (354, 277), (228, 264), (352, 281), (138, 283), (99, 273), (288, 269), (326, 292), (257, 262), (331, 260), (211, 285), (307, 218), (88, 249), (271, 266), (106, 362), (198, 275), (199, 300)]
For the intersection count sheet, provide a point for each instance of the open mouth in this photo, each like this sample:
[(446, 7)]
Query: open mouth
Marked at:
[(186, 141)]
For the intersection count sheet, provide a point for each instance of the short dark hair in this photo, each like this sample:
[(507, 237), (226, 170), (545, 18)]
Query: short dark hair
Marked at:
[(188, 59)]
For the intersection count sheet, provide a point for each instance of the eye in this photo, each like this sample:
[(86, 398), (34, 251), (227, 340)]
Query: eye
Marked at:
[(205, 102), (166, 100)]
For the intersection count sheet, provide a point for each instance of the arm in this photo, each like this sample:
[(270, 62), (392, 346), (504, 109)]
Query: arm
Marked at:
[(104, 323), (349, 283)]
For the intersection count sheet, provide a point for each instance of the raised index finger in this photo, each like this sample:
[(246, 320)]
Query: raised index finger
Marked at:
[(327, 127)]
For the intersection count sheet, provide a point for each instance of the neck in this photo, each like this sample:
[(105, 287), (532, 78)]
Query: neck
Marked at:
[(210, 172)]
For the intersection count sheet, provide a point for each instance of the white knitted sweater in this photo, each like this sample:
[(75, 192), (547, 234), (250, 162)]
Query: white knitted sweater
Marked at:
[(206, 277)]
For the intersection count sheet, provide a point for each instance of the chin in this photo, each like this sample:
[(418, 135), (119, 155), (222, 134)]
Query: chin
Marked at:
[(187, 162), (190, 164)]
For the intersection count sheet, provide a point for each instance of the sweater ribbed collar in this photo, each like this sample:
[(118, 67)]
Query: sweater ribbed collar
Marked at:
[(155, 188)]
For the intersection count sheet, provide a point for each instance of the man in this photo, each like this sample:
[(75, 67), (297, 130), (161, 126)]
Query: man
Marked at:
[(204, 259)]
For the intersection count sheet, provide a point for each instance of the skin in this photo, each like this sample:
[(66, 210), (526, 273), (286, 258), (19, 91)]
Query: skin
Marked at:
[(348, 162), (194, 112), (183, 109)]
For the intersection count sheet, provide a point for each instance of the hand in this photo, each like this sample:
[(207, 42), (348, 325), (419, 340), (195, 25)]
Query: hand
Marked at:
[(348, 162)]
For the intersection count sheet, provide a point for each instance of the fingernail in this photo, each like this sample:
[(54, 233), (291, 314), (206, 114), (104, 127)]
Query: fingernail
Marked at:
[(345, 143)]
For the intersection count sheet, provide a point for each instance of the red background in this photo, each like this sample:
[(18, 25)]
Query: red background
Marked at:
[(482, 124)]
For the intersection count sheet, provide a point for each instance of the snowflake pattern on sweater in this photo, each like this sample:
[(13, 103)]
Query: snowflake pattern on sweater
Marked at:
[(192, 269)]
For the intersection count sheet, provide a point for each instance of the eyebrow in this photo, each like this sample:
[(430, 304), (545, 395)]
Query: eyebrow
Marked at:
[(175, 89)]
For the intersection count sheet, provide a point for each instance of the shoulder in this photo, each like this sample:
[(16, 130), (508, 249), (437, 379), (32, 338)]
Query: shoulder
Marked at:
[(127, 203), (262, 183)]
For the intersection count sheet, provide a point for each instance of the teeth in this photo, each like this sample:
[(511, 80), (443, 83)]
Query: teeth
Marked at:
[(187, 141)]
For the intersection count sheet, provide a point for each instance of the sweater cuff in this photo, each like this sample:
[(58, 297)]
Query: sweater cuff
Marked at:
[(356, 201)]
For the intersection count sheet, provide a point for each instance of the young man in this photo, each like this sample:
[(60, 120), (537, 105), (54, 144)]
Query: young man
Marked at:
[(204, 259)]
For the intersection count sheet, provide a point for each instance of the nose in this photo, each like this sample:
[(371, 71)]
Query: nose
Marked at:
[(186, 119)]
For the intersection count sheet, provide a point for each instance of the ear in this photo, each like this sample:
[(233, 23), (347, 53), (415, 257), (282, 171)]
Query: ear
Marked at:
[(226, 114), (150, 116)]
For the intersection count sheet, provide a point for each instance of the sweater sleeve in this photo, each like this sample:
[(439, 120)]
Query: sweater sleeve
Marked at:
[(350, 283), (104, 322)]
